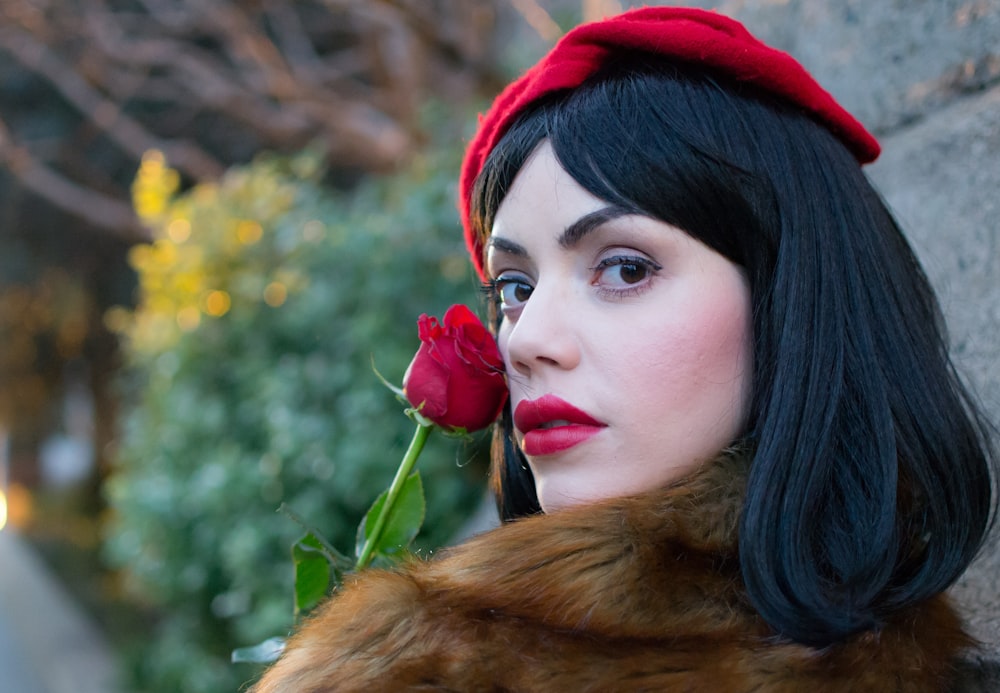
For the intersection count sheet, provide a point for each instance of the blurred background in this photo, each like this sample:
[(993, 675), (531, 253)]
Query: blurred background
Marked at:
[(216, 216)]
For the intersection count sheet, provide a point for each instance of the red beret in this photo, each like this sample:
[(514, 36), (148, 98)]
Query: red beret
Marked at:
[(692, 35)]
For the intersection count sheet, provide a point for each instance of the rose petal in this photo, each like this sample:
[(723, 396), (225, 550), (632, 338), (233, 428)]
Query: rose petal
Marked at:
[(457, 374)]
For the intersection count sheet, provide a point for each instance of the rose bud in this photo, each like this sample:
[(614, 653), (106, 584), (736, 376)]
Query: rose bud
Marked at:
[(456, 378)]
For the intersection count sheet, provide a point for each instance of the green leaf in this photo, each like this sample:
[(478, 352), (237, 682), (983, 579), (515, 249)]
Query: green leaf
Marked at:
[(398, 391), (262, 653), (414, 413), (312, 573), (339, 561), (405, 519)]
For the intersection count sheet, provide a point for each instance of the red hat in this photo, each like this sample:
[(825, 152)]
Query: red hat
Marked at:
[(691, 35)]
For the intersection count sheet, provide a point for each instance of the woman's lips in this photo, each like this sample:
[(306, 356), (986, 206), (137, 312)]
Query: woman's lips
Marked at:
[(550, 425)]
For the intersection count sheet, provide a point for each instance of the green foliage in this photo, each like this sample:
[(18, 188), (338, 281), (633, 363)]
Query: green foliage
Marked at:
[(402, 523), (265, 301), (313, 572)]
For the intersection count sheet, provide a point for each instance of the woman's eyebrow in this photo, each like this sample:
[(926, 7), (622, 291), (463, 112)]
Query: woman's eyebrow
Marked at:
[(571, 235), (589, 222), (505, 246)]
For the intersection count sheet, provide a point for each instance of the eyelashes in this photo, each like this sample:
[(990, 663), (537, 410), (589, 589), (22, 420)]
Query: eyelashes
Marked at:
[(508, 292), (624, 275), (615, 277)]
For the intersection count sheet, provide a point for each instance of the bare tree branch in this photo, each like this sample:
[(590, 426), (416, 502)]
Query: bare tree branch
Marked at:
[(210, 82), (98, 209), (104, 113), (538, 19)]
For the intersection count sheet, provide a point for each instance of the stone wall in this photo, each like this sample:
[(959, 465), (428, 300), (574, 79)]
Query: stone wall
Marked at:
[(924, 76)]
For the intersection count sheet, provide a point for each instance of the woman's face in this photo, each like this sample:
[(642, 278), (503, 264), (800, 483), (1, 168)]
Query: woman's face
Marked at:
[(627, 342)]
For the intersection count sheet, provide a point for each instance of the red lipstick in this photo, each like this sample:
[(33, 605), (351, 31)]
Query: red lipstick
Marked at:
[(551, 425)]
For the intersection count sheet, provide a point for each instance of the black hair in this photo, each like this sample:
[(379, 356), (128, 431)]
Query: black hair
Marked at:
[(870, 486)]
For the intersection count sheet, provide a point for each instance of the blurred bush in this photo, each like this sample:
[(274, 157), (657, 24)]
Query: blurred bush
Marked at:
[(265, 299)]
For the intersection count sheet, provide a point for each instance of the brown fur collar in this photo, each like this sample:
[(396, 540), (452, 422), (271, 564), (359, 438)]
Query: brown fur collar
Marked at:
[(632, 594)]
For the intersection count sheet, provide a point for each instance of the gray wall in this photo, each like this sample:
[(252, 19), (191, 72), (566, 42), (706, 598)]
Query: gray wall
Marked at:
[(924, 76)]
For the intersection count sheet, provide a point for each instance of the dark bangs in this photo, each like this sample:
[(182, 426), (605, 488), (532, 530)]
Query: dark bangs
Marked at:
[(667, 142)]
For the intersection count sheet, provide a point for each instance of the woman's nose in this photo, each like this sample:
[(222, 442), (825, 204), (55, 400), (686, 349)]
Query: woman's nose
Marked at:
[(544, 334)]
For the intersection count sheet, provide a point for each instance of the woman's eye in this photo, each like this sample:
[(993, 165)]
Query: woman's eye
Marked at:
[(512, 292), (632, 272), (624, 273)]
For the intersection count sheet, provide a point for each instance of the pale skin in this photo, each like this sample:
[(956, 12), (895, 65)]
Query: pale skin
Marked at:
[(625, 317)]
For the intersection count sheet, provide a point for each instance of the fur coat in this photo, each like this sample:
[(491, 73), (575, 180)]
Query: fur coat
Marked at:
[(635, 594)]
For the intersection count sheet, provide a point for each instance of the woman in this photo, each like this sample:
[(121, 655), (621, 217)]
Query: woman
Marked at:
[(736, 452)]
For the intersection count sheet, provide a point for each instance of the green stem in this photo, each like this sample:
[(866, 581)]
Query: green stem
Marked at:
[(405, 467)]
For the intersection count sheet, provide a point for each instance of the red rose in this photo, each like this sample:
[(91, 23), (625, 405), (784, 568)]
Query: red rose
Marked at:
[(456, 378)]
